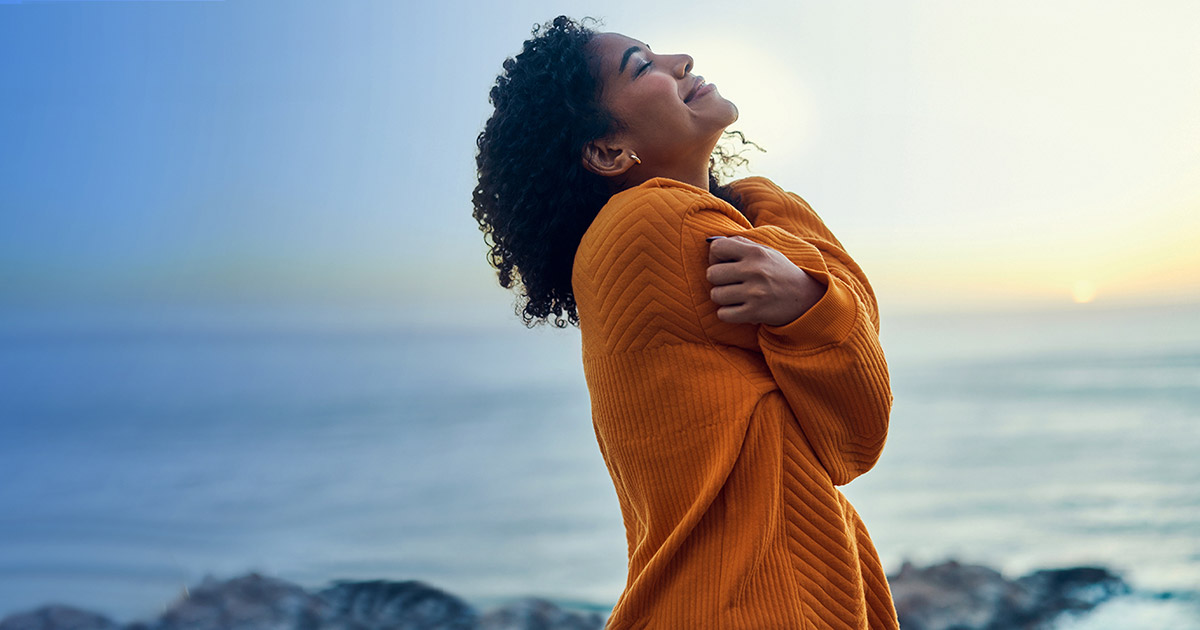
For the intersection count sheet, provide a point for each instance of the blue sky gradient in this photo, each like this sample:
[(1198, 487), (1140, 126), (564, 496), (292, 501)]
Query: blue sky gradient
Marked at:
[(323, 151)]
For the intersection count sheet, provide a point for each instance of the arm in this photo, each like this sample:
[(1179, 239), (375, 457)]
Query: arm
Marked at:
[(755, 284), (827, 361), (767, 204)]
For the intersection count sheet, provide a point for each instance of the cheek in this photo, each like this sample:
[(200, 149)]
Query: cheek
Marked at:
[(658, 103)]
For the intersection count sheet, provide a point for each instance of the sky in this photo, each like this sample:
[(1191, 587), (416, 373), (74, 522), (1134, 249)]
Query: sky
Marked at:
[(970, 155)]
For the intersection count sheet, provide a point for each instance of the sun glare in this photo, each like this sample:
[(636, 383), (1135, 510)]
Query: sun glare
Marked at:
[(1083, 292)]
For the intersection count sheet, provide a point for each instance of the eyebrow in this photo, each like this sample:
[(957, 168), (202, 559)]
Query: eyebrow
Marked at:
[(625, 58)]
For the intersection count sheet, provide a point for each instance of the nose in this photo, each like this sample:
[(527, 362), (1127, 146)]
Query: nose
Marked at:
[(683, 65)]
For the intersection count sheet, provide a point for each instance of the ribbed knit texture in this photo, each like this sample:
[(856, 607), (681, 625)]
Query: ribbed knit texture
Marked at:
[(725, 441)]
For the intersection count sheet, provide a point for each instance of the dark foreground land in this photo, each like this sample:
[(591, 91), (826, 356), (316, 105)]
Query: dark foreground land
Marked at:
[(946, 596)]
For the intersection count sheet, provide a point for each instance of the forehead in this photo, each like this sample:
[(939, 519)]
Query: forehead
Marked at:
[(608, 48)]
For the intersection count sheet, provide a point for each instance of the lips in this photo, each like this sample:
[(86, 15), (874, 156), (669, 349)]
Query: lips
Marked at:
[(695, 89)]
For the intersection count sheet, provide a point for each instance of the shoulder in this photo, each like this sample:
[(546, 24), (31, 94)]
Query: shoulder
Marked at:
[(766, 203), (629, 275), (658, 203), (653, 211), (757, 186), (759, 191)]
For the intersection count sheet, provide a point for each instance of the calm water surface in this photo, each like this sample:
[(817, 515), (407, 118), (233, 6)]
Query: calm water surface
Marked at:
[(137, 456)]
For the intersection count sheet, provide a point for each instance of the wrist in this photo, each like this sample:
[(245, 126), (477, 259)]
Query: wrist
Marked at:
[(829, 321), (807, 291)]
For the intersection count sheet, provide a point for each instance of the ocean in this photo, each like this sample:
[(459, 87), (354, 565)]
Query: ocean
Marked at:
[(140, 454)]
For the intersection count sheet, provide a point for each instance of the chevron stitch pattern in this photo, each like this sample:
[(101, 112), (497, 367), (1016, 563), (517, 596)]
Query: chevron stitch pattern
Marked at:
[(726, 441)]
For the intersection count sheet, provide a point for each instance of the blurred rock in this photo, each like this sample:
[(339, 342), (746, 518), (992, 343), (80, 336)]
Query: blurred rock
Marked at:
[(954, 596), (1073, 590), (58, 618), (250, 602), (539, 614), (946, 596), (383, 605)]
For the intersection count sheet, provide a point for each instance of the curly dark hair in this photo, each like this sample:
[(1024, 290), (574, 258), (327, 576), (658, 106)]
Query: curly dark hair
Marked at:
[(534, 199)]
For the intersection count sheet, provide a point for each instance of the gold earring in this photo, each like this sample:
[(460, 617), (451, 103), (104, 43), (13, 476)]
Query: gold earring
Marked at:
[(634, 157)]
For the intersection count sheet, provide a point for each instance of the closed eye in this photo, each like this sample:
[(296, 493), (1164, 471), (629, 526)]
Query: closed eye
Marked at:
[(644, 67)]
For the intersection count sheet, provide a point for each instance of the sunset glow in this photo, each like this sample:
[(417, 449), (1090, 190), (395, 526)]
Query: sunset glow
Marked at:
[(1083, 292)]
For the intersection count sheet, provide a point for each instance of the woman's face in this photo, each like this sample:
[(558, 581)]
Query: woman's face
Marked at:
[(668, 116)]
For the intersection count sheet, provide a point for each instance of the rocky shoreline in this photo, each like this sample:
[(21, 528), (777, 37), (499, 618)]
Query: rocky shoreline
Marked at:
[(944, 596)]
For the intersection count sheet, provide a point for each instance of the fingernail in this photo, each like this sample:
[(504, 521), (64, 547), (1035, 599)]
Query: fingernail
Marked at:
[(712, 238)]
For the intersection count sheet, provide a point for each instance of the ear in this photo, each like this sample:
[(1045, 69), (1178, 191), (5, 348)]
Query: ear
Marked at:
[(607, 157)]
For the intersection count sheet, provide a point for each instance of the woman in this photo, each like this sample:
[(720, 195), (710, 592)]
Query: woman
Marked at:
[(730, 344)]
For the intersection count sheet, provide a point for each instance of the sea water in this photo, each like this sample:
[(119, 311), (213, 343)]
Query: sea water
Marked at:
[(138, 455)]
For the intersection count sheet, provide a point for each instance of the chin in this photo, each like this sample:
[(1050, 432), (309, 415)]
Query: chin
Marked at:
[(733, 111)]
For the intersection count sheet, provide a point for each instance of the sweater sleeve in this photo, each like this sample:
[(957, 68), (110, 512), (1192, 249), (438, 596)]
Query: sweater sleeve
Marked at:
[(828, 363), (767, 204)]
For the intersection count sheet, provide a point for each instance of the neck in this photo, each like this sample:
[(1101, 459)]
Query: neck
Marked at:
[(684, 165)]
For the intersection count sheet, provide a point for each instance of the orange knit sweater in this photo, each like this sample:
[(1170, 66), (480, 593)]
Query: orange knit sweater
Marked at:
[(725, 441)]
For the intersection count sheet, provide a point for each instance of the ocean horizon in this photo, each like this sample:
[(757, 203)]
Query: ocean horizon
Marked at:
[(141, 451)]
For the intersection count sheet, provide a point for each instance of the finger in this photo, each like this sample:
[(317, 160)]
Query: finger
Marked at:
[(728, 249), (713, 240), (739, 314), (728, 295), (725, 273)]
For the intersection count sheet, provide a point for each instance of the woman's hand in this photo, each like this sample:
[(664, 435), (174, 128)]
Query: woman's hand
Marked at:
[(754, 284)]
